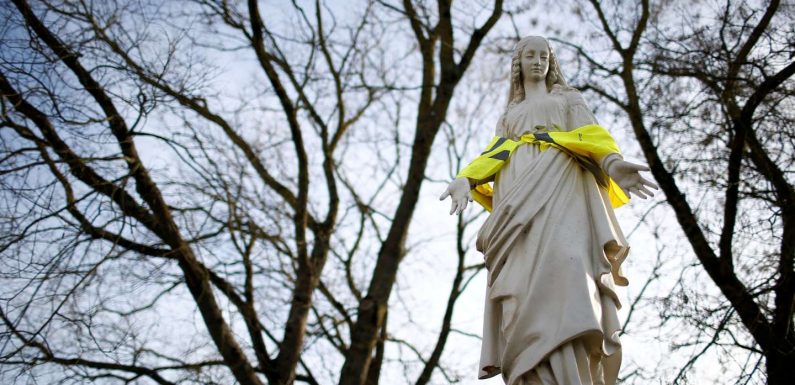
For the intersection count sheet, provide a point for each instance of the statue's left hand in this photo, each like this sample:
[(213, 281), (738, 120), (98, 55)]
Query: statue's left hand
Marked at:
[(627, 176)]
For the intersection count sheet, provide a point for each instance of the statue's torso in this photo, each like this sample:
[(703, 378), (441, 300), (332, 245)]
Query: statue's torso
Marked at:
[(548, 112)]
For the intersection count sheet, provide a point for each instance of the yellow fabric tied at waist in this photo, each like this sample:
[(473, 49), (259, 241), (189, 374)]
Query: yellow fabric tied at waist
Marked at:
[(584, 144)]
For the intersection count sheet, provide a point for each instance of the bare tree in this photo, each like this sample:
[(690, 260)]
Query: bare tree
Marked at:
[(139, 188), (431, 110)]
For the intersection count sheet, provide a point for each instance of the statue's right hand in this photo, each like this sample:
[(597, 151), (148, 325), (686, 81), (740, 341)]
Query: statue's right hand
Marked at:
[(458, 191)]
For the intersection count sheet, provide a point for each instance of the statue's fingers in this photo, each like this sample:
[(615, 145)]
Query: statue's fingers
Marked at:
[(649, 183), (453, 207), (462, 207), (645, 190), (637, 192), (640, 193), (637, 167), (445, 194)]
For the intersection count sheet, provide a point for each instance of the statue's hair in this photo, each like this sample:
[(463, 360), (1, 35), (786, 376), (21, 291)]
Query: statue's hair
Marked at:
[(554, 75)]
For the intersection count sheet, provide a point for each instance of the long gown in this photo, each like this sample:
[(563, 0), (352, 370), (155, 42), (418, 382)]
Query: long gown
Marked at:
[(553, 250)]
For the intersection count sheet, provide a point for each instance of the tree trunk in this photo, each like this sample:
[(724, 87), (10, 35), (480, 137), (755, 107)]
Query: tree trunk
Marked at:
[(780, 364)]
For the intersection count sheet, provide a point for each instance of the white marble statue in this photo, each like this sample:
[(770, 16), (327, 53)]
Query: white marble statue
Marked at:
[(552, 245)]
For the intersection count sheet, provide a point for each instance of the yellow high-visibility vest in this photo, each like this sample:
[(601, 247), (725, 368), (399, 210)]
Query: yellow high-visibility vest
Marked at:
[(584, 143)]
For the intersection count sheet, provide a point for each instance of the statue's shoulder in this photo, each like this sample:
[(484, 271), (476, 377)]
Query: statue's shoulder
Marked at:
[(502, 125), (572, 95)]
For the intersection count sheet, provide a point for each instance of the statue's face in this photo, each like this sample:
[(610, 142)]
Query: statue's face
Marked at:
[(535, 60)]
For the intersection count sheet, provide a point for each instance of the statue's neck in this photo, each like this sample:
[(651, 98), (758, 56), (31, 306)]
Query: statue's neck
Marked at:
[(534, 88)]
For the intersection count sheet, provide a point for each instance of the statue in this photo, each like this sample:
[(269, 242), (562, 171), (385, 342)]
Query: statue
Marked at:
[(552, 245)]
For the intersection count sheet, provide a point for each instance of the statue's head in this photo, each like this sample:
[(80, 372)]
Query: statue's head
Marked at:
[(534, 60)]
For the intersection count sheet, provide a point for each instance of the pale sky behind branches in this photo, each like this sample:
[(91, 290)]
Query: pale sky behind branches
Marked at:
[(426, 273)]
